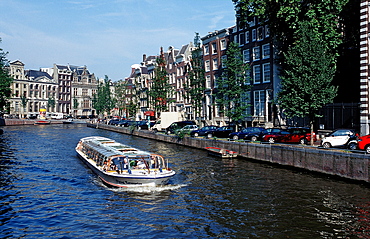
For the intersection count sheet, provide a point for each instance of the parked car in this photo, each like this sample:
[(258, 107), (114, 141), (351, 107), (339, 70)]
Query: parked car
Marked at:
[(124, 123), (203, 131), (143, 124), (291, 135), (113, 121), (246, 133), (222, 132), (187, 129), (364, 143), (178, 125), (341, 138)]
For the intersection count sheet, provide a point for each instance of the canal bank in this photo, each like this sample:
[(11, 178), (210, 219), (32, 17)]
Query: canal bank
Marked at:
[(13, 122), (338, 163)]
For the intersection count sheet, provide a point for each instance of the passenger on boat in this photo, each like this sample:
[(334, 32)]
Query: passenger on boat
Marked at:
[(140, 164)]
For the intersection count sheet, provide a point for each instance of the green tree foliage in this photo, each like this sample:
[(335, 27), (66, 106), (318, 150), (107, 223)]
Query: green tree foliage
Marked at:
[(194, 88), (103, 100), (308, 34), (120, 90), (51, 102), (5, 82), (233, 86), (161, 91), (306, 81), (75, 103), (284, 16)]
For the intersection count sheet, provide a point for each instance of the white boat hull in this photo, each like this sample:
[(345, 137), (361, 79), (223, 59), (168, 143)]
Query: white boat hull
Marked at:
[(136, 178)]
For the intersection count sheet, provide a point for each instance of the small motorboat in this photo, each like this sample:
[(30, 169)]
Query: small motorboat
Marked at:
[(119, 165), (68, 121), (42, 122), (223, 153)]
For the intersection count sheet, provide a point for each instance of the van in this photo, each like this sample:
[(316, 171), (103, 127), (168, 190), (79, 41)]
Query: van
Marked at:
[(178, 125)]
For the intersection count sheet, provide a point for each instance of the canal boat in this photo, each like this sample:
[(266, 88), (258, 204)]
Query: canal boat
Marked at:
[(220, 152), (120, 165)]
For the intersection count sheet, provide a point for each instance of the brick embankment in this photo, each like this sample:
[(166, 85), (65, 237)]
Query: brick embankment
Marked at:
[(340, 163)]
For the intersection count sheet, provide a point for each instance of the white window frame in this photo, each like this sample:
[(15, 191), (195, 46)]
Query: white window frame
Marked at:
[(259, 103), (257, 74), (208, 82), (254, 35), (266, 51), (246, 55), (266, 72), (247, 37), (215, 64), (223, 44), (207, 66), (206, 49), (256, 53), (260, 33), (267, 31)]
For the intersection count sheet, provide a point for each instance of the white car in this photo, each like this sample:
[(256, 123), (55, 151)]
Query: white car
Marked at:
[(344, 138)]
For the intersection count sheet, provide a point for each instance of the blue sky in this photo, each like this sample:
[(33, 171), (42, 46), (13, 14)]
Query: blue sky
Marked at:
[(107, 36)]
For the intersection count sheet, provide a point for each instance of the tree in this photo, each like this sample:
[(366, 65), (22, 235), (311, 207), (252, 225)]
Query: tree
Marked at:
[(233, 85), (283, 18), (194, 88), (308, 35), (120, 90), (161, 91), (24, 101), (5, 82), (306, 81), (103, 100), (51, 102)]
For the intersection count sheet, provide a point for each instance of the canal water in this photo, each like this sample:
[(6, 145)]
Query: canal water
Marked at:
[(47, 192)]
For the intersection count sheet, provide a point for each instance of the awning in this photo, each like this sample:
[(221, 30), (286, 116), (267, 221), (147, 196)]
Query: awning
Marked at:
[(149, 113)]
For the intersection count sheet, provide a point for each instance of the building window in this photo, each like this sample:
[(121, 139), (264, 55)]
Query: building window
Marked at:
[(223, 60), (266, 77), (267, 31), (214, 48), (257, 74), (266, 51), (256, 53), (206, 49), (215, 64), (259, 103), (207, 66), (247, 37), (260, 33), (254, 35), (223, 44), (208, 82), (246, 55), (242, 38)]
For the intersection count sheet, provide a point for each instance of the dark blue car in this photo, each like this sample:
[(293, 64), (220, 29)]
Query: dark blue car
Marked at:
[(247, 133), (203, 131)]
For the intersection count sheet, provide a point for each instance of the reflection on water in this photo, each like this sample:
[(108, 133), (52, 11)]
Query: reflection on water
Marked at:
[(46, 191)]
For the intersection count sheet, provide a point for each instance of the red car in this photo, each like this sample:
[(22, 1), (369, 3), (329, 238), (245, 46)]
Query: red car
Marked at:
[(364, 143), (292, 135)]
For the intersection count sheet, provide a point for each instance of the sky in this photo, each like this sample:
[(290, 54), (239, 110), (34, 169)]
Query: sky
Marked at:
[(107, 36)]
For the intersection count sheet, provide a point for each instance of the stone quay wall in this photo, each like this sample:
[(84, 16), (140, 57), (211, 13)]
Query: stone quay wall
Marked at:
[(13, 122), (340, 163)]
